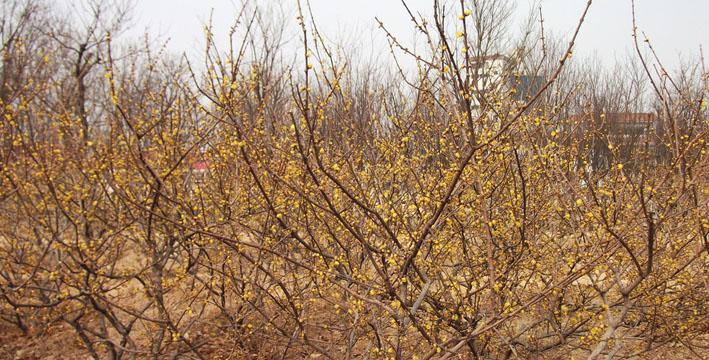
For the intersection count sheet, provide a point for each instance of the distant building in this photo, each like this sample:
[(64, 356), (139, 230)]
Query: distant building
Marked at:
[(498, 73), (489, 72), (630, 127), (525, 86), (198, 170), (629, 136), (200, 166)]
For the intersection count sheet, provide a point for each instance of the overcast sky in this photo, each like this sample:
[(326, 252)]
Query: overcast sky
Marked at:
[(677, 27)]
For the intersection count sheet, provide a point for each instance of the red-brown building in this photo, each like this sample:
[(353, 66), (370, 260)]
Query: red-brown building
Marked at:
[(617, 137)]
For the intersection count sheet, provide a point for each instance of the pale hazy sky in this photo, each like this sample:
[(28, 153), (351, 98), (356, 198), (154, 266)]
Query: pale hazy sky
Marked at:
[(676, 27)]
